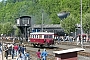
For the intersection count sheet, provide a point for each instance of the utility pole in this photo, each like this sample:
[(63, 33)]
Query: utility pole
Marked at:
[(81, 25), (42, 22), (2, 34)]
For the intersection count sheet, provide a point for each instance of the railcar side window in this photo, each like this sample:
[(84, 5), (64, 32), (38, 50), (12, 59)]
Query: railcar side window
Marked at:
[(45, 36), (40, 36), (35, 36), (32, 36), (50, 36)]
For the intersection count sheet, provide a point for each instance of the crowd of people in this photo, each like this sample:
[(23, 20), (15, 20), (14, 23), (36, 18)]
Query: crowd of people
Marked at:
[(15, 50), (19, 52), (65, 38)]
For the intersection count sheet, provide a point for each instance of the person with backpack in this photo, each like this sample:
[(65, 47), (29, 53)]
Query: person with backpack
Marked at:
[(44, 55)]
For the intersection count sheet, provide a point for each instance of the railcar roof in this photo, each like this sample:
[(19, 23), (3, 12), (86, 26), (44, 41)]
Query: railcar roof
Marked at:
[(41, 33)]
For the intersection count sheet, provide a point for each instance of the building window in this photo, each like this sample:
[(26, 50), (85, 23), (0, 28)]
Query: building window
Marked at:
[(18, 21), (25, 21)]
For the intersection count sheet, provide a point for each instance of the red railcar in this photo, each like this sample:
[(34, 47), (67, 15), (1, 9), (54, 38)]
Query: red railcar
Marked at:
[(42, 38)]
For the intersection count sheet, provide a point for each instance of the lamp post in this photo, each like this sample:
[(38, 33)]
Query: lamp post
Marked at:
[(81, 24), (2, 34)]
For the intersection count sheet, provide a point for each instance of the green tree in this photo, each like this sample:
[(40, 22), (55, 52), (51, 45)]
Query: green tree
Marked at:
[(17, 32), (0, 28), (68, 24), (12, 9), (86, 23), (7, 28)]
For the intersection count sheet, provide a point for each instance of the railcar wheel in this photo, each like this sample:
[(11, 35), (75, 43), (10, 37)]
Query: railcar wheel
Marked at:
[(47, 45), (41, 45), (34, 45)]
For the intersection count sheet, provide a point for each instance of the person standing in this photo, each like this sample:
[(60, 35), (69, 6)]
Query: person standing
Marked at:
[(38, 55), (58, 39), (78, 41), (6, 52), (9, 48), (22, 49), (0, 49), (19, 48), (12, 52), (44, 55), (16, 50)]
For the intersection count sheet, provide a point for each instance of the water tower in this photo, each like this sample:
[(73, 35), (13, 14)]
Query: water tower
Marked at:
[(23, 23), (62, 16)]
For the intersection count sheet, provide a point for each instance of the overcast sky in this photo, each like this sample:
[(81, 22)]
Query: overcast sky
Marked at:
[(0, 0), (4, 0)]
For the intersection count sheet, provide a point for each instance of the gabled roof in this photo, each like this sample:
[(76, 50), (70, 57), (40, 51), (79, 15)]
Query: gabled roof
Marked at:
[(24, 16), (41, 33), (48, 26)]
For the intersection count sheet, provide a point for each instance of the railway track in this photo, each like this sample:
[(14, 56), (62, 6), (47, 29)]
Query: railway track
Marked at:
[(87, 54), (52, 57)]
